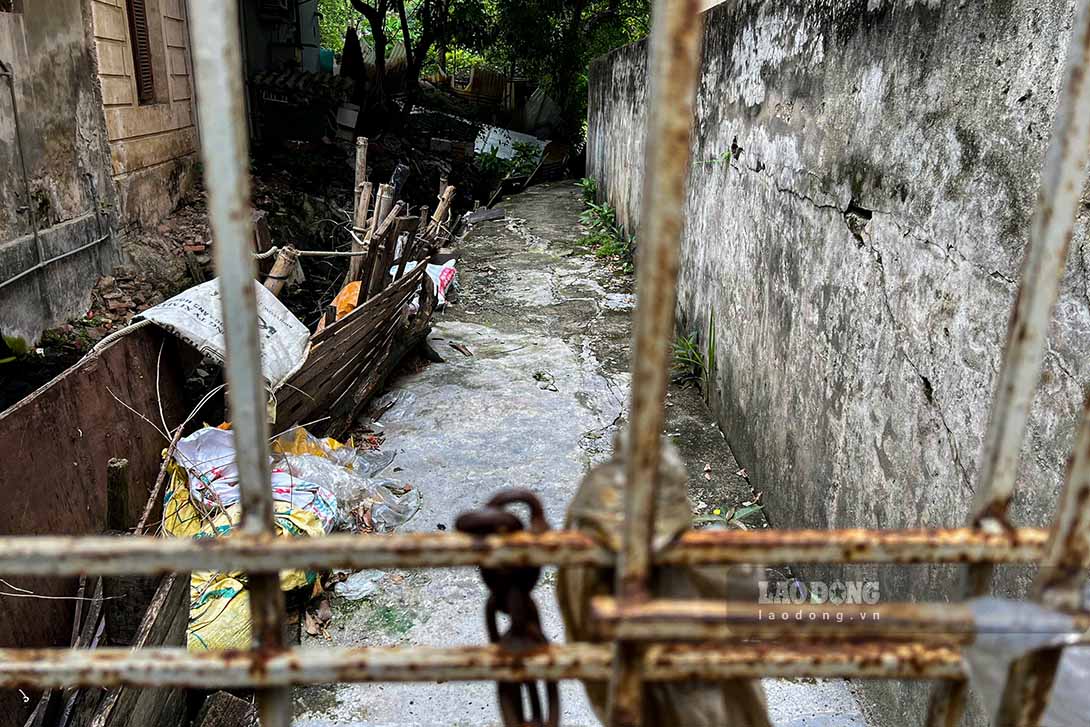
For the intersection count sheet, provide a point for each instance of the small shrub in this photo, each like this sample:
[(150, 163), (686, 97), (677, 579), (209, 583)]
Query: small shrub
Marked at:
[(694, 363), (589, 187), (732, 518), (527, 157)]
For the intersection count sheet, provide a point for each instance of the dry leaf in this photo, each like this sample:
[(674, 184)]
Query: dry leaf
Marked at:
[(742, 473), (707, 475), (708, 467)]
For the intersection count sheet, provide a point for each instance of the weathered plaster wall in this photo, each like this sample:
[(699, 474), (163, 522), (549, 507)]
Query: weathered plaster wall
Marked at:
[(154, 144), (62, 138), (857, 253)]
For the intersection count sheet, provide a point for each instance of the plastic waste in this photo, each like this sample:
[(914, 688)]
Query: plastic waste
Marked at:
[(1008, 630), (359, 585), (388, 502), (317, 484), (441, 276)]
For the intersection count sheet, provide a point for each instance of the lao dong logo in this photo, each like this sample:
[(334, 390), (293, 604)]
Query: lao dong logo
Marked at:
[(836, 593)]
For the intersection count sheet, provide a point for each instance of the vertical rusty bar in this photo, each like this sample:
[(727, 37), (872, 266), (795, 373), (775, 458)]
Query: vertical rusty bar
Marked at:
[(673, 65), (224, 150), (1058, 585), (1062, 182)]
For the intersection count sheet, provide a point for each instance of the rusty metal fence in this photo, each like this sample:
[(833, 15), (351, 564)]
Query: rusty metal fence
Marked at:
[(651, 640)]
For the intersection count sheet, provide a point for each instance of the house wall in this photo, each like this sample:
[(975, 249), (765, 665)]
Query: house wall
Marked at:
[(153, 146), (56, 222), (857, 212)]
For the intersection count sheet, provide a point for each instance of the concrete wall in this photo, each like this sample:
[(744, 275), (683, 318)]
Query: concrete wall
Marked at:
[(153, 145), (60, 135), (857, 254)]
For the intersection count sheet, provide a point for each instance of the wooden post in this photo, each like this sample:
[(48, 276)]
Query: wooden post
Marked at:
[(384, 200), (286, 261), (117, 495), (361, 165), (378, 258), (355, 264), (441, 211)]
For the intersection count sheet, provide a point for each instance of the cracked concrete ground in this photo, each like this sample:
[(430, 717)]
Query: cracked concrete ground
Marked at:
[(535, 405)]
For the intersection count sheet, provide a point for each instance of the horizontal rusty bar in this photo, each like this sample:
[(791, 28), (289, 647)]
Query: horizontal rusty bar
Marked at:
[(783, 547), (705, 620), (158, 667), (867, 660), (73, 555)]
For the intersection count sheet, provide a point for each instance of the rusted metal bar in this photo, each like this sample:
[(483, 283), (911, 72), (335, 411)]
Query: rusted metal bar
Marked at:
[(674, 63), (70, 556), (158, 667), (694, 620), (1050, 235), (1059, 584), (1053, 222), (225, 150)]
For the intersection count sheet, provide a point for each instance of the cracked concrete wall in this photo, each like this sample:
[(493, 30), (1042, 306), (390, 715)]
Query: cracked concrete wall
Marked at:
[(858, 208)]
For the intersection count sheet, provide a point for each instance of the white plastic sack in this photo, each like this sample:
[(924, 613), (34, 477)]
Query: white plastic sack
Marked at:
[(1008, 630), (441, 276), (208, 457), (195, 317)]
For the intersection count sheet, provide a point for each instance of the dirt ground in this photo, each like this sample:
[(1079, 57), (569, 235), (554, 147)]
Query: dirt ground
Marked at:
[(535, 405)]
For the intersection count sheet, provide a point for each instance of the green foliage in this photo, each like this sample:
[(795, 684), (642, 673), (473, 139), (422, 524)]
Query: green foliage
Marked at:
[(527, 157), (606, 236), (732, 518), (589, 187), (335, 16), (491, 165), (694, 362)]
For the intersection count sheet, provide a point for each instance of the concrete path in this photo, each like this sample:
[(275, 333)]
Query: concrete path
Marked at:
[(535, 405)]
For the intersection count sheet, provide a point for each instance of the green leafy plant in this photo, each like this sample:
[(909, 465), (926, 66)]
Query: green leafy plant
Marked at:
[(492, 165), (733, 517), (689, 359), (694, 362), (589, 187), (527, 156)]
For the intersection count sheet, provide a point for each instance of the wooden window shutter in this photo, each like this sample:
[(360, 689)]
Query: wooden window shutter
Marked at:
[(141, 50)]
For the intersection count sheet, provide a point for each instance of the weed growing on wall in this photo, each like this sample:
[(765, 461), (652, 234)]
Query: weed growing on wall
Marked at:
[(606, 236)]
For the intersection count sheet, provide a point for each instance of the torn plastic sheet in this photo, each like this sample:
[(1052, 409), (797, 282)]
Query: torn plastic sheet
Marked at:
[(442, 276), (1007, 631), (360, 584), (196, 317), (387, 503)]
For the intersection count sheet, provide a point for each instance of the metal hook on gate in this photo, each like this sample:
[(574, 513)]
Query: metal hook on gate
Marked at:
[(510, 594)]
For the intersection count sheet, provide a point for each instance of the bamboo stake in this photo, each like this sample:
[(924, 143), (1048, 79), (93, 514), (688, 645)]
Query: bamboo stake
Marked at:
[(286, 260)]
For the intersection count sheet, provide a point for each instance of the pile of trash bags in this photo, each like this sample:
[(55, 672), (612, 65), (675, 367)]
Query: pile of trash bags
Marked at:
[(318, 486)]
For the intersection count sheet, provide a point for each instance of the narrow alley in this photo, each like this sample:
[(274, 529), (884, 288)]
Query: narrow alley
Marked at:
[(531, 394)]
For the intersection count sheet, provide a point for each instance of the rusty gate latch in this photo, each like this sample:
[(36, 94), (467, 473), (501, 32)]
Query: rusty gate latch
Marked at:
[(509, 594)]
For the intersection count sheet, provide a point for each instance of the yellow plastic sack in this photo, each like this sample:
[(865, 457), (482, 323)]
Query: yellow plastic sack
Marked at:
[(219, 607)]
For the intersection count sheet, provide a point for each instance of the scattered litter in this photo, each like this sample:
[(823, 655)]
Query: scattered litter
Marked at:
[(484, 214), (317, 485), (398, 400), (461, 348), (441, 277), (546, 381), (359, 585)]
